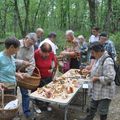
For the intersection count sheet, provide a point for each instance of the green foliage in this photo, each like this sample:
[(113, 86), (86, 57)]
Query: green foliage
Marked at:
[(116, 39), (58, 16)]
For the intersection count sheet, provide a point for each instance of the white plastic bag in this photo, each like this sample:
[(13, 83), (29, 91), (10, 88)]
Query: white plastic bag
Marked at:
[(11, 105)]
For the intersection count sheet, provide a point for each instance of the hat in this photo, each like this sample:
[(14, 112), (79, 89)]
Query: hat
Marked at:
[(103, 34)]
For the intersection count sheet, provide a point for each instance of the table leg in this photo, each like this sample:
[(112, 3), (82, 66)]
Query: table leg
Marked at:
[(66, 112), (83, 97)]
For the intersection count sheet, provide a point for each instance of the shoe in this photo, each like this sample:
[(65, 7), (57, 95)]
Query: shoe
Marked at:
[(37, 110), (49, 109), (29, 116)]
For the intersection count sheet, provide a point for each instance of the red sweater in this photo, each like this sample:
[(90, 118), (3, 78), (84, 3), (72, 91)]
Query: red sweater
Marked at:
[(44, 65)]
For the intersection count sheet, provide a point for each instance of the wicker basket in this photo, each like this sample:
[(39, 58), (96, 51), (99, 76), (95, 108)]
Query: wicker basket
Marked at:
[(31, 82), (8, 114)]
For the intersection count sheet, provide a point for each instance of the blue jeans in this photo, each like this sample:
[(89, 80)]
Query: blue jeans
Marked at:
[(25, 101)]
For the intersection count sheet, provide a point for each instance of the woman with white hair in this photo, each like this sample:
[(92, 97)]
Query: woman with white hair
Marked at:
[(83, 47), (83, 43)]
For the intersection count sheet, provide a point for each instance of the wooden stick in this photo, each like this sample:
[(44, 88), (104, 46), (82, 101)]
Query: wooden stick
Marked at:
[(2, 98)]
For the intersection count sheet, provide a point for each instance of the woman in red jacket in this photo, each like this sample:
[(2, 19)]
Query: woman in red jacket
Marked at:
[(46, 62)]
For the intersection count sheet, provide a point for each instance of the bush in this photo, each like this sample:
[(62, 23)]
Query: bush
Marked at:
[(116, 39)]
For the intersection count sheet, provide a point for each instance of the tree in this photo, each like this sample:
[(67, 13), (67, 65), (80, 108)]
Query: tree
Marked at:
[(24, 29), (92, 12), (108, 17)]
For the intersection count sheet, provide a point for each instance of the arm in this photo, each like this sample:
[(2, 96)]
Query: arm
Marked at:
[(54, 65), (19, 75), (2, 86), (89, 67), (31, 60), (74, 52), (68, 53), (19, 62), (113, 51), (108, 72)]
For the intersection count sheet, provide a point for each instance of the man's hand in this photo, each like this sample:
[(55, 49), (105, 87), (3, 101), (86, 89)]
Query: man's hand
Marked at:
[(64, 53), (2, 86), (19, 76), (26, 63), (88, 67), (85, 71), (95, 78)]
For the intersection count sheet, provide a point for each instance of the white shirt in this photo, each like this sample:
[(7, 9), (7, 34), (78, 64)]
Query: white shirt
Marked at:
[(93, 38), (54, 47)]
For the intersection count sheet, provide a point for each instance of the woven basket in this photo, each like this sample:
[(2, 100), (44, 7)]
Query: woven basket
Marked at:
[(31, 82), (8, 114)]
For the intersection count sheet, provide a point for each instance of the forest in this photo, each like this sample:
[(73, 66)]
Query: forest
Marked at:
[(18, 17), (59, 70)]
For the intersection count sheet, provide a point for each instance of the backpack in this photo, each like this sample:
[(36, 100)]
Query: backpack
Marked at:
[(117, 70)]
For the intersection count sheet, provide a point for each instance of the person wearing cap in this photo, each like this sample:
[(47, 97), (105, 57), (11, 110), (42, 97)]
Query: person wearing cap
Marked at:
[(51, 38), (72, 50), (95, 35), (102, 88), (40, 33), (26, 52), (108, 44)]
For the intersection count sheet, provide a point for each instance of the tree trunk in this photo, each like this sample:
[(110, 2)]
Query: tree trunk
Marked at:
[(26, 23), (107, 25), (19, 18), (35, 17), (92, 12)]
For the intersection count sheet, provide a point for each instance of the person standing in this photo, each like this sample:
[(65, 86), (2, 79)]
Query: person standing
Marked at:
[(72, 50), (83, 48), (8, 63), (51, 39), (40, 33), (95, 35), (102, 88), (46, 62), (108, 45), (26, 52), (93, 38)]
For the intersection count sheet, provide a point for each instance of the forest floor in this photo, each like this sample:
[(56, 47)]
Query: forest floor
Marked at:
[(74, 113)]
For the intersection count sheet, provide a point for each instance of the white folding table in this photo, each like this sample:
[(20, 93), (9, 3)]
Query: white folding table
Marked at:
[(59, 100)]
